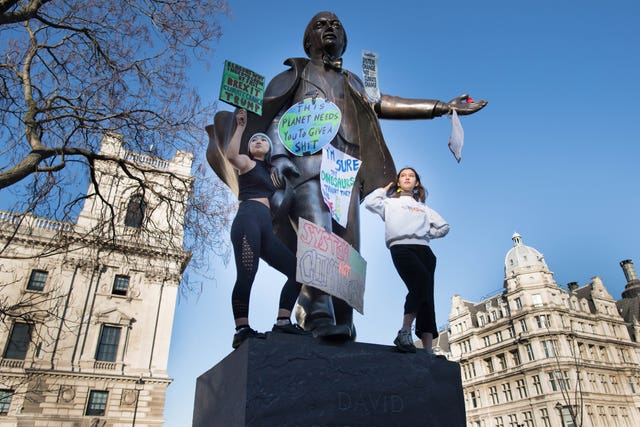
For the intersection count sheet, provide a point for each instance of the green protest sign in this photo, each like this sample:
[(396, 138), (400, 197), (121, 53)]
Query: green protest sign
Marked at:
[(242, 87)]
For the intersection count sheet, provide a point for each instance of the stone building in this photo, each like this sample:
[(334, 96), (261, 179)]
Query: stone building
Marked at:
[(86, 322), (539, 355)]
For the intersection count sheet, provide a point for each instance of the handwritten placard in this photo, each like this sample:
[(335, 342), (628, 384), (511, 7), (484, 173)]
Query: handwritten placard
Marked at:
[(370, 75), (337, 175), (309, 125), (327, 262), (242, 87)]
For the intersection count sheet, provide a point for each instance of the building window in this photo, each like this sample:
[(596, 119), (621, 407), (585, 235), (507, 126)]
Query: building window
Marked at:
[(528, 419), (515, 357), (530, 354), (625, 416), (513, 420), (97, 404), (552, 381), (567, 417), (614, 383), (562, 378), (498, 421), (502, 361), (135, 211), (499, 336), (623, 354), (537, 300), (603, 354), (493, 392), (473, 396), (469, 370), (550, 349), (120, 285), (489, 364), (592, 381), (581, 351), (631, 386), (537, 384), (18, 341), (487, 341), (518, 302), (37, 280), (108, 344), (544, 416), (506, 391), (603, 415), (5, 401), (543, 321), (523, 325), (522, 389)]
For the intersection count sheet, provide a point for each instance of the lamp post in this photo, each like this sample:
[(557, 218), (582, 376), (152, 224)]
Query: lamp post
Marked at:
[(139, 385), (558, 407)]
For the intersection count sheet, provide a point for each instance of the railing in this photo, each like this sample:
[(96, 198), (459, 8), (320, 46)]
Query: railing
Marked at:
[(49, 224), (108, 366), (9, 217), (11, 363), (146, 160), (29, 220)]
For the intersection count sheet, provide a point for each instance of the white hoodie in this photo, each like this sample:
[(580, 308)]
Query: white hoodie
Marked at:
[(407, 221)]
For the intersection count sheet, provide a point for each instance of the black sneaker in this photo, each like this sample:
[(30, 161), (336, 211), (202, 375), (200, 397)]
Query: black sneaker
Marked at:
[(243, 334), (404, 342), (289, 328)]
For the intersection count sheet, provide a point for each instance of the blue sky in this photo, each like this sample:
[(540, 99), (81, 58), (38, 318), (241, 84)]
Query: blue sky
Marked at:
[(553, 156)]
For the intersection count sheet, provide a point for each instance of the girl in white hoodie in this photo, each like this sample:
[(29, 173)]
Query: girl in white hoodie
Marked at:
[(409, 226)]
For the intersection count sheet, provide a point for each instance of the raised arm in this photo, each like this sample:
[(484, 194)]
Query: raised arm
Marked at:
[(394, 107), (374, 202), (241, 162)]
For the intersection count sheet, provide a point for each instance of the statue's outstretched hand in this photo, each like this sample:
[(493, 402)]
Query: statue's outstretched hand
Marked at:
[(465, 105), (282, 167)]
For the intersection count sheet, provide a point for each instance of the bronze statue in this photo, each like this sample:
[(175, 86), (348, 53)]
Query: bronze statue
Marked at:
[(297, 177)]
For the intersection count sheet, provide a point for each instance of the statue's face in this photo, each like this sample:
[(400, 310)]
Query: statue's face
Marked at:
[(326, 35)]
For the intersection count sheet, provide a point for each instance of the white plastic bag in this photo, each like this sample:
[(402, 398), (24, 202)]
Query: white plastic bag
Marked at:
[(456, 140)]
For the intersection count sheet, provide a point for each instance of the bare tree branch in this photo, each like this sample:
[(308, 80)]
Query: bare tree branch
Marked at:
[(72, 72)]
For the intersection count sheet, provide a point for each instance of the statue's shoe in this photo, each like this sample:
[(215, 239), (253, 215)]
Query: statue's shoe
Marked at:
[(334, 332)]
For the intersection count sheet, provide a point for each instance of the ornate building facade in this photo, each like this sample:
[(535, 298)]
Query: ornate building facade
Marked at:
[(87, 307), (538, 355)]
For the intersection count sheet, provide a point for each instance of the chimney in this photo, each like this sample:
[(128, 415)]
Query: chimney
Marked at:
[(572, 286), (632, 288), (629, 270)]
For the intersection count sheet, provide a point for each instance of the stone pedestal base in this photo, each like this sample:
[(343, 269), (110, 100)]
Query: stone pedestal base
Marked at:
[(293, 381)]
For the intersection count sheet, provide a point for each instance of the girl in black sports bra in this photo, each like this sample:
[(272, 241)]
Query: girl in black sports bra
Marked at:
[(252, 234)]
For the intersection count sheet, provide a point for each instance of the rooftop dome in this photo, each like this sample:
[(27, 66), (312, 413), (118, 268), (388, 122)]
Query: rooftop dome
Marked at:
[(521, 255)]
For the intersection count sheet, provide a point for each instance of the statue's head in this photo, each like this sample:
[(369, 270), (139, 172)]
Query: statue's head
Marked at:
[(325, 33)]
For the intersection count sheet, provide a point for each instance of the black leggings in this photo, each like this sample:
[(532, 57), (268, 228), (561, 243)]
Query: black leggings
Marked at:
[(416, 265), (252, 238)]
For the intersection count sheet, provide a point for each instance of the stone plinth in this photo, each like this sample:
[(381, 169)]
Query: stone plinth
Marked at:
[(293, 381)]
